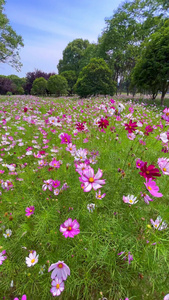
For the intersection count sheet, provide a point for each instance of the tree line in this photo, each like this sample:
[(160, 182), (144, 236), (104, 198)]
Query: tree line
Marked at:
[(131, 54)]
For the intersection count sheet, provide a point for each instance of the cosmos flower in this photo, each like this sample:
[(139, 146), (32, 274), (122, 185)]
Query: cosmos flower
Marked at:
[(163, 164), (91, 207), (23, 298), (103, 123), (139, 163), (70, 228), (2, 257), (166, 297), (32, 259), (131, 126), (8, 233), (47, 185), (54, 163), (130, 199), (152, 188), (65, 138), (149, 172), (165, 116), (29, 211), (60, 269), (57, 286), (99, 196), (146, 198), (91, 180)]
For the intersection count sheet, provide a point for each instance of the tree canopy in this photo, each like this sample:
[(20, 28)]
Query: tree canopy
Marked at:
[(10, 42), (95, 78)]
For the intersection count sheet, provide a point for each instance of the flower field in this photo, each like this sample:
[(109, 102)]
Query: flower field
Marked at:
[(84, 199)]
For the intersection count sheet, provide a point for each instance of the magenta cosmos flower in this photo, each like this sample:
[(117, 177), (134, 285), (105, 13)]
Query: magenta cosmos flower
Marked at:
[(60, 269), (152, 188), (57, 287), (131, 126), (90, 180), (70, 228), (54, 164), (29, 211), (2, 257), (23, 298), (149, 172), (65, 138)]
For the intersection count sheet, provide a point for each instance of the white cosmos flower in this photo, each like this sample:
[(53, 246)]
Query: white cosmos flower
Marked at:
[(8, 233), (32, 259)]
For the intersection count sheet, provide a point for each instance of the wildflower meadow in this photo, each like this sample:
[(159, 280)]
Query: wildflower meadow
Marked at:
[(84, 199)]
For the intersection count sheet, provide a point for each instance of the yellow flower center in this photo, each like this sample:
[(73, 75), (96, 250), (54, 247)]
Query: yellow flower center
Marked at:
[(7, 234), (147, 172), (155, 225), (69, 228), (58, 285), (149, 187), (81, 157), (60, 265), (32, 261), (30, 210), (167, 114), (91, 179), (99, 196), (131, 201), (164, 169)]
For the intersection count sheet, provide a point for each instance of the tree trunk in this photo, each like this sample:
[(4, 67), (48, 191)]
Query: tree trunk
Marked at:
[(162, 97)]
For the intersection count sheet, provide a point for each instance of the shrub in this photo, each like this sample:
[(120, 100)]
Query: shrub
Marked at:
[(57, 85), (71, 79), (39, 86)]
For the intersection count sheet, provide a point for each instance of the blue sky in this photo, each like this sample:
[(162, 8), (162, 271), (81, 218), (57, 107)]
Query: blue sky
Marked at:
[(47, 26)]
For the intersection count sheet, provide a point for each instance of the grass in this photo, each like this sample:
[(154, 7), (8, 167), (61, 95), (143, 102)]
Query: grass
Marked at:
[(96, 269)]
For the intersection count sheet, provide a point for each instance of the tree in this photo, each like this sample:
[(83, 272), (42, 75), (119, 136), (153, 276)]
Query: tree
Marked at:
[(57, 85), (152, 69), (31, 76), (71, 79), (19, 83), (6, 85), (10, 42), (39, 86), (72, 56), (95, 78)]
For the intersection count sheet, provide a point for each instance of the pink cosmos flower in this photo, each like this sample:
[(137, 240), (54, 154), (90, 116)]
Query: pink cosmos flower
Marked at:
[(166, 114), (60, 269), (71, 148), (80, 155), (2, 257), (99, 196), (139, 163), (54, 164), (57, 286), (152, 188), (164, 165), (65, 138), (166, 297), (70, 228), (81, 167), (23, 298), (47, 185), (29, 211), (127, 255), (146, 198), (131, 136), (131, 110), (90, 180)]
